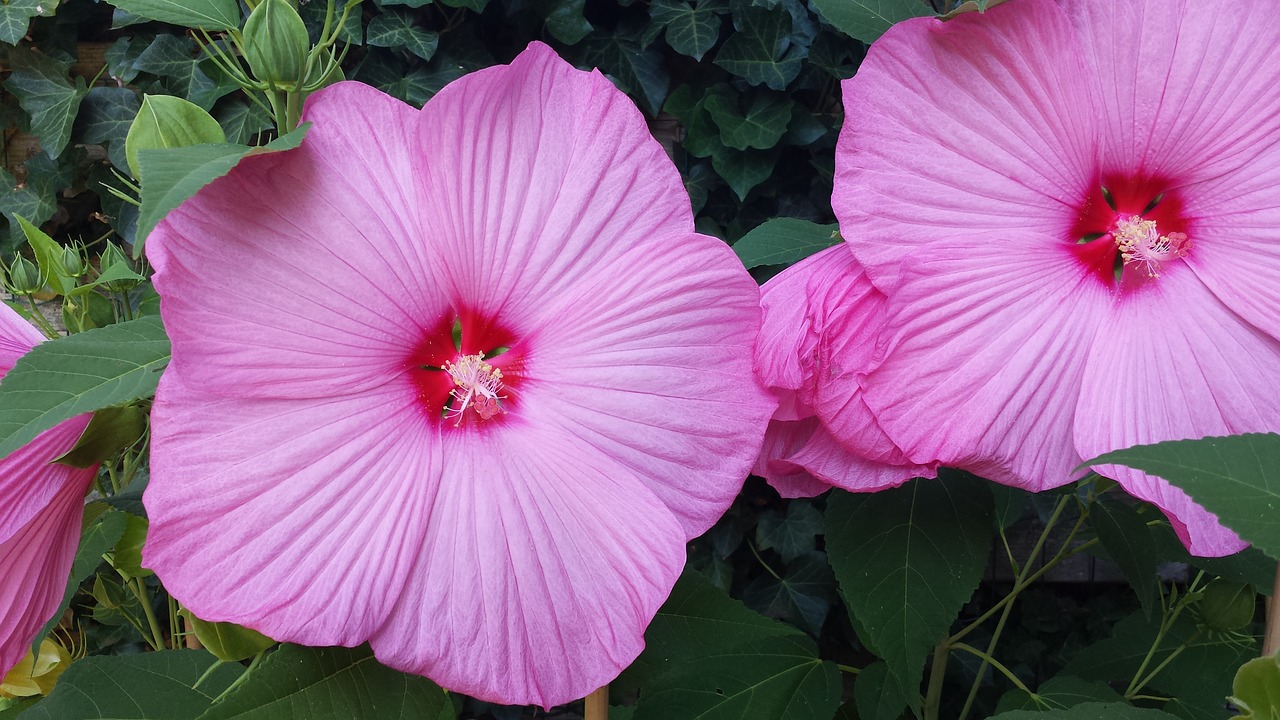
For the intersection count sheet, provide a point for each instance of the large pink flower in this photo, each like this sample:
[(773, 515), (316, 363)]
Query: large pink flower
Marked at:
[(504, 516), (821, 320), (1074, 209), (41, 504)]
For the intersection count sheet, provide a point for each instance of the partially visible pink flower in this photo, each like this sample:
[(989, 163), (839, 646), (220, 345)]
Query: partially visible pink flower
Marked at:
[(821, 320), (1074, 210), (41, 504), (504, 516)]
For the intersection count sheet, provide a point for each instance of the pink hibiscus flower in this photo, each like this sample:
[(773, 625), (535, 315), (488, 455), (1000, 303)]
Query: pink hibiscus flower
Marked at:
[(504, 511), (1074, 210), (821, 318), (40, 514)]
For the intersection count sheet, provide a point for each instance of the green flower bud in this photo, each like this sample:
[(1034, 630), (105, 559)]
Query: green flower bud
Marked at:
[(1227, 605), (110, 263), (23, 277), (73, 262), (276, 44)]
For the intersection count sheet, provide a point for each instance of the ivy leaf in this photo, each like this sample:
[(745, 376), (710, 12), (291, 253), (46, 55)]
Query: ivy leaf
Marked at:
[(241, 121), (907, 560), (45, 92), (105, 116), (793, 534), (172, 59), (760, 127), (744, 169), (692, 30), (394, 29), (565, 19), (802, 596), (472, 5), (641, 73), (783, 241), (330, 684), (1236, 478), (207, 14), (867, 20), (147, 685), (34, 199), (761, 51), (15, 16)]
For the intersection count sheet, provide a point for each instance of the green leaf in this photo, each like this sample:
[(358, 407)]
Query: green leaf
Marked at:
[(63, 378), (1236, 478), (173, 59), (867, 20), (793, 534), (48, 255), (102, 527), (761, 126), (36, 199), (329, 684), (15, 16), (207, 14), (907, 560), (879, 695), (743, 170), (104, 119), (691, 29), (110, 430), (1124, 534), (802, 596), (241, 121), (126, 556), (639, 72), (394, 29), (173, 175), (472, 5), (1089, 711), (761, 51), (227, 641), (782, 241), (136, 687), (1256, 689), (564, 18), (45, 92), (165, 121), (1061, 691)]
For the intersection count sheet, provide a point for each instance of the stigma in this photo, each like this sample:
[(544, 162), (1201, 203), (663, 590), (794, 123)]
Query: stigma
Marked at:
[(477, 387), (1143, 247)]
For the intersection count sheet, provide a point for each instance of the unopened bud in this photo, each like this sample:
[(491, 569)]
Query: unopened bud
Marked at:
[(23, 277), (1228, 605), (276, 45), (113, 262), (73, 263)]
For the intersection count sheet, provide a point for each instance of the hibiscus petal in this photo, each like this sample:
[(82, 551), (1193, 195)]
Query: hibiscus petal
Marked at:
[(301, 273), (1187, 90), (803, 459), (299, 518), (1174, 363), (782, 441), (979, 124), (29, 480), (544, 561), (650, 360), (539, 174), (37, 561), (17, 336), (984, 368)]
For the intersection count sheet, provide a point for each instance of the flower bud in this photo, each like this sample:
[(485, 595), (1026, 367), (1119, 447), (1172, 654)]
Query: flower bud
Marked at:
[(111, 262), (276, 44), (73, 262), (23, 277), (36, 674), (1227, 605)]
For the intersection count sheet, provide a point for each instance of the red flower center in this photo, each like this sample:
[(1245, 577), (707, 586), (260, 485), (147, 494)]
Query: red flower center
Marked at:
[(466, 371), (1130, 227)]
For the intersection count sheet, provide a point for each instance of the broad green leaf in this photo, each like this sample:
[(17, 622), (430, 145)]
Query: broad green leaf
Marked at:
[(148, 686), (126, 556), (1256, 689), (792, 534), (907, 560), (227, 641), (743, 170), (165, 121), (867, 20), (1236, 478), (564, 18), (102, 527), (62, 378), (879, 695), (104, 119), (782, 241), (110, 430), (760, 126), (1089, 711), (15, 16), (45, 92), (207, 14), (48, 257), (1250, 565), (394, 29), (691, 29), (640, 72), (1061, 691), (1127, 539), (173, 175), (761, 50), (329, 684), (12, 709)]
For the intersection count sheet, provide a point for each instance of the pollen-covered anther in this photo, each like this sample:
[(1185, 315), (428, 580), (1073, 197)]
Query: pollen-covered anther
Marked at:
[(1142, 246), (477, 386)]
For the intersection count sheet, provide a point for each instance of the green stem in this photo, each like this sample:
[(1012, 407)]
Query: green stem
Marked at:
[(1177, 651), (278, 111), (253, 664), (293, 109), (775, 575), (848, 669), (1139, 679), (995, 664), (205, 675), (39, 319), (157, 635), (937, 670)]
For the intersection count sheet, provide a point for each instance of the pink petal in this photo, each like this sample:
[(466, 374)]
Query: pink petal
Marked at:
[(297, 517), (17, 336), (978, 125), (301, 272), (803, 459), (1172, 363), (544, 561), (783, 440), (29, 480), (37, 562), (986, 357), (1187, 90), (539, 175)]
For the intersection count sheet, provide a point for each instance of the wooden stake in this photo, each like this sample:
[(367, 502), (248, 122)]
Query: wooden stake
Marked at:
[(596, 705), (1271, 641)]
